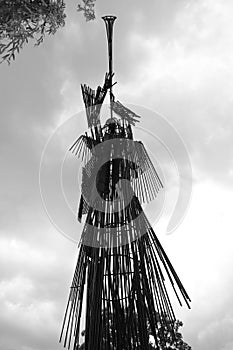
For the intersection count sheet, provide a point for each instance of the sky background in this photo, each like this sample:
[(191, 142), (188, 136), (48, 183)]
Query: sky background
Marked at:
[(171, 56)]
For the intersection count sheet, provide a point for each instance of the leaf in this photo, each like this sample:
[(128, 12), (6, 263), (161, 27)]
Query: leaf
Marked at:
[(24, 20)]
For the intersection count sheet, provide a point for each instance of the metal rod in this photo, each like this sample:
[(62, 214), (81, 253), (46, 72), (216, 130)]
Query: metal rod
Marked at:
[(109, 21)]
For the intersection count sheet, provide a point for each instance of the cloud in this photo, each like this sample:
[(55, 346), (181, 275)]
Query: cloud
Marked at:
[(171, 56), (200, 251), (228, 346), (32, 294), (216, 334), (188, 78)]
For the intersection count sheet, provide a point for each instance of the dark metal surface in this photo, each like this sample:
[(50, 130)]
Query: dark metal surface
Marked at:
[(109, 22), (118, 290)]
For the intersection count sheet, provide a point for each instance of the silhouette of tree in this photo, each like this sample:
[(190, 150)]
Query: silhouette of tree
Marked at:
[(21, 20), (88, 9), (168, 338)]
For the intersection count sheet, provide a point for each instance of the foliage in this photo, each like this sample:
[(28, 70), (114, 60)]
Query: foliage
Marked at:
[(88, 9), (21, 20), (170, 340), (166, 339)]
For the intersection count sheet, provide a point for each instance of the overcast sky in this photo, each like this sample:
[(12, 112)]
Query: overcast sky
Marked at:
[(171, 56)]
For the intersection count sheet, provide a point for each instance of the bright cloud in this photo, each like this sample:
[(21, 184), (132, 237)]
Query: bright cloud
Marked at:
[(172, 56)]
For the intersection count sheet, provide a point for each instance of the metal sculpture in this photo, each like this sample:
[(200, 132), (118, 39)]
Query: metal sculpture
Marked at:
[(119, 280)]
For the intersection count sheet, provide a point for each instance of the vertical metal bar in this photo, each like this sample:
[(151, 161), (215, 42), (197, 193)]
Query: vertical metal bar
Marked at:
[(109, 21)]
